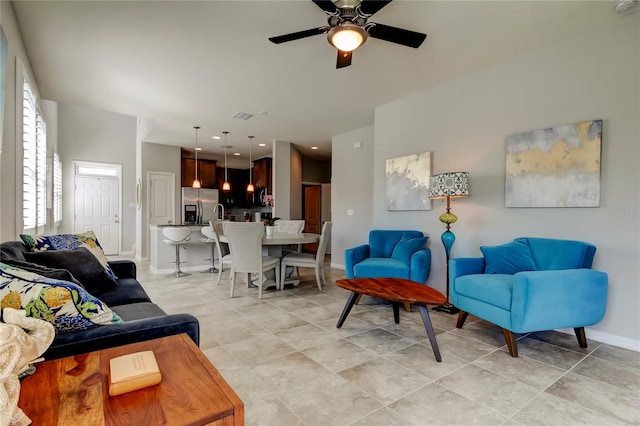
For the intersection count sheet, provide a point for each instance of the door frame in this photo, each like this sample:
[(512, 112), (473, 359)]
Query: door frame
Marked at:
[(118, 168)]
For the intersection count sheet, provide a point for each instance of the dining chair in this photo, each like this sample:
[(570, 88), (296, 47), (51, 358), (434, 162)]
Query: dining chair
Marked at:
[(287, 226), (213, 232), (308, 260), (245, 244)]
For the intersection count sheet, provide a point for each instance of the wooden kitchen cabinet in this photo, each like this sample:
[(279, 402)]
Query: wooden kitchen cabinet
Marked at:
[(262, 173), (238, 179), (206, 172)]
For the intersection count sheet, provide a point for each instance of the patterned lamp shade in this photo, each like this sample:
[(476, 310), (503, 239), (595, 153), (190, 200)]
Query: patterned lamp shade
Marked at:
[(453, 185)]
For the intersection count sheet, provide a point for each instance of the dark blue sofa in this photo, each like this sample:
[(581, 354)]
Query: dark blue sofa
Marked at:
[(142, 319)]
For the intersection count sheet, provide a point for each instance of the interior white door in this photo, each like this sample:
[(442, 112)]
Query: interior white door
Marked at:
[(161, 192), (97, 205)]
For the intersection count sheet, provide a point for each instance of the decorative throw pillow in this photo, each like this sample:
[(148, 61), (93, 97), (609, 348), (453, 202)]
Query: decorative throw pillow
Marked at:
[(508, 258), (87, 240), (81, 263), (56, 274), (407, 246), (65, 305)]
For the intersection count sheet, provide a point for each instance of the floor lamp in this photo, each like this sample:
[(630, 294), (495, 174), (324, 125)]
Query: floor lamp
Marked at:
[(447, 186)]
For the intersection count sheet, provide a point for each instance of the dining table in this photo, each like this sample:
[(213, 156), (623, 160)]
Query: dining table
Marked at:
[(274, 243)]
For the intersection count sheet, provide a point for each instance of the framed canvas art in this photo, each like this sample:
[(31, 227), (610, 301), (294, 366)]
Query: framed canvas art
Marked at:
[(407, 182), (555, 167)]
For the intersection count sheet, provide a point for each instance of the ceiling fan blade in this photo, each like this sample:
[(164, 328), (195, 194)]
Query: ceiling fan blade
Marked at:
[(369, 7), (396, 35), (326, 5), (298, 35), (344, 59)]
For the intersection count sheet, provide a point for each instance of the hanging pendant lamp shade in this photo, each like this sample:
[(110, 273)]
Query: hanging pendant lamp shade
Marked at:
[(225, 186), (196, 182), (250, 187)]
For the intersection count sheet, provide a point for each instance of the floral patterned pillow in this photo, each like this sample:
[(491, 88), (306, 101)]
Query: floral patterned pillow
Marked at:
[(67, 306), (87, 240)]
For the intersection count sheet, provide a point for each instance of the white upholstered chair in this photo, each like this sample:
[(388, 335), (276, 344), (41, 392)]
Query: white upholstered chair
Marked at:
[(177, 236), (286, 226), (307, 260), (212, 232), (245, 244)]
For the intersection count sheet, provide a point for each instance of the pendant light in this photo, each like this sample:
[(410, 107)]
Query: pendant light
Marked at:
[(250, 187), (225, 186), (196, 183)]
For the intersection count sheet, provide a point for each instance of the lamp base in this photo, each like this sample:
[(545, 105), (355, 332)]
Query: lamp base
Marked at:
[(447, 308)]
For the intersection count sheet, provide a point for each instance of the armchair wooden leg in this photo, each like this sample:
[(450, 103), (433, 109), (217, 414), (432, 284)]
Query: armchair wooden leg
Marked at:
[(582, 337), (462, 317), (407, 306), (511, 342), (357, 299)]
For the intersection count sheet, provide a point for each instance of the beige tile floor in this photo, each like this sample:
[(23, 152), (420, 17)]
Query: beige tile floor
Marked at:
[(290, 365)]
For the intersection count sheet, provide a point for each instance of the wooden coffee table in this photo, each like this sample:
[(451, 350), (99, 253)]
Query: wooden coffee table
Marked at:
[(75, 390), (396, 290)]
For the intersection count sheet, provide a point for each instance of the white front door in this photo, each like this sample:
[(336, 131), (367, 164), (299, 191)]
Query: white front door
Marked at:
[(97, 205), (161, 192)]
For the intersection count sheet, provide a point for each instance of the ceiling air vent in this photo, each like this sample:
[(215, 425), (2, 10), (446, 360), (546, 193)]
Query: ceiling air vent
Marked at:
[(242, 116), (223, 146)]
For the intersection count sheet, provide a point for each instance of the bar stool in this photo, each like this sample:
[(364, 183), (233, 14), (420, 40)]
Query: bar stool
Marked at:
[(177, 235), (209, 238)]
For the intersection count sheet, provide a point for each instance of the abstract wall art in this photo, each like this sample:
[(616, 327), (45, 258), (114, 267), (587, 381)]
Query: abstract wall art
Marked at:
[(407, 182), (555, 167)]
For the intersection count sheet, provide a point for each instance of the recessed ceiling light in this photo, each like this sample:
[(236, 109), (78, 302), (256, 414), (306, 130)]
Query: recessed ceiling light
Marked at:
[(262, 144), (314, 147), (236, 153), (198, 149), (215, 137)]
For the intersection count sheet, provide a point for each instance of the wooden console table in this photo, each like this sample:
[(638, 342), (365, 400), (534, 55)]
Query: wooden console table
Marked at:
[(75, 390)]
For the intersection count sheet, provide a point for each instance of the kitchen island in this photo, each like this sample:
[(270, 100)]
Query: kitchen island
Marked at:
[(193, 254)]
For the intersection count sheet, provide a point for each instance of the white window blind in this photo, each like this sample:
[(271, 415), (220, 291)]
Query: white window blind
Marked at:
[(57, 189), (34, 164)]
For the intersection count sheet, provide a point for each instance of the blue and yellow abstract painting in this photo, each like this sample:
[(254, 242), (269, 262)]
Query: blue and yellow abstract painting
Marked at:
[(555, 167)]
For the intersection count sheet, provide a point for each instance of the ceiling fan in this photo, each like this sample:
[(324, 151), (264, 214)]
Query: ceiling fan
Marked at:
[(349, 28)]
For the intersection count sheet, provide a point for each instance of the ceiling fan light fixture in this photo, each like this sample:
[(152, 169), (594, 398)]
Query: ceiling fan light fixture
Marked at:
[(347, 36)]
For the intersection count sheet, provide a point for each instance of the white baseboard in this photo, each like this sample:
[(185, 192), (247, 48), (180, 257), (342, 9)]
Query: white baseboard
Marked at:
[(609, 339), (337, 265)]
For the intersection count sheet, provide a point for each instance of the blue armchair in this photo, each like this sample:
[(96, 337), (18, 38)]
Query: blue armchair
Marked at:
[(390, 254), (531, 284)]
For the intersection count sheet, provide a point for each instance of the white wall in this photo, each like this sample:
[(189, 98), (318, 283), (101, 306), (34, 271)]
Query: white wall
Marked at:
[(158, 158), (465, 122), (281, 169), (352, 188), (86, 134)]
